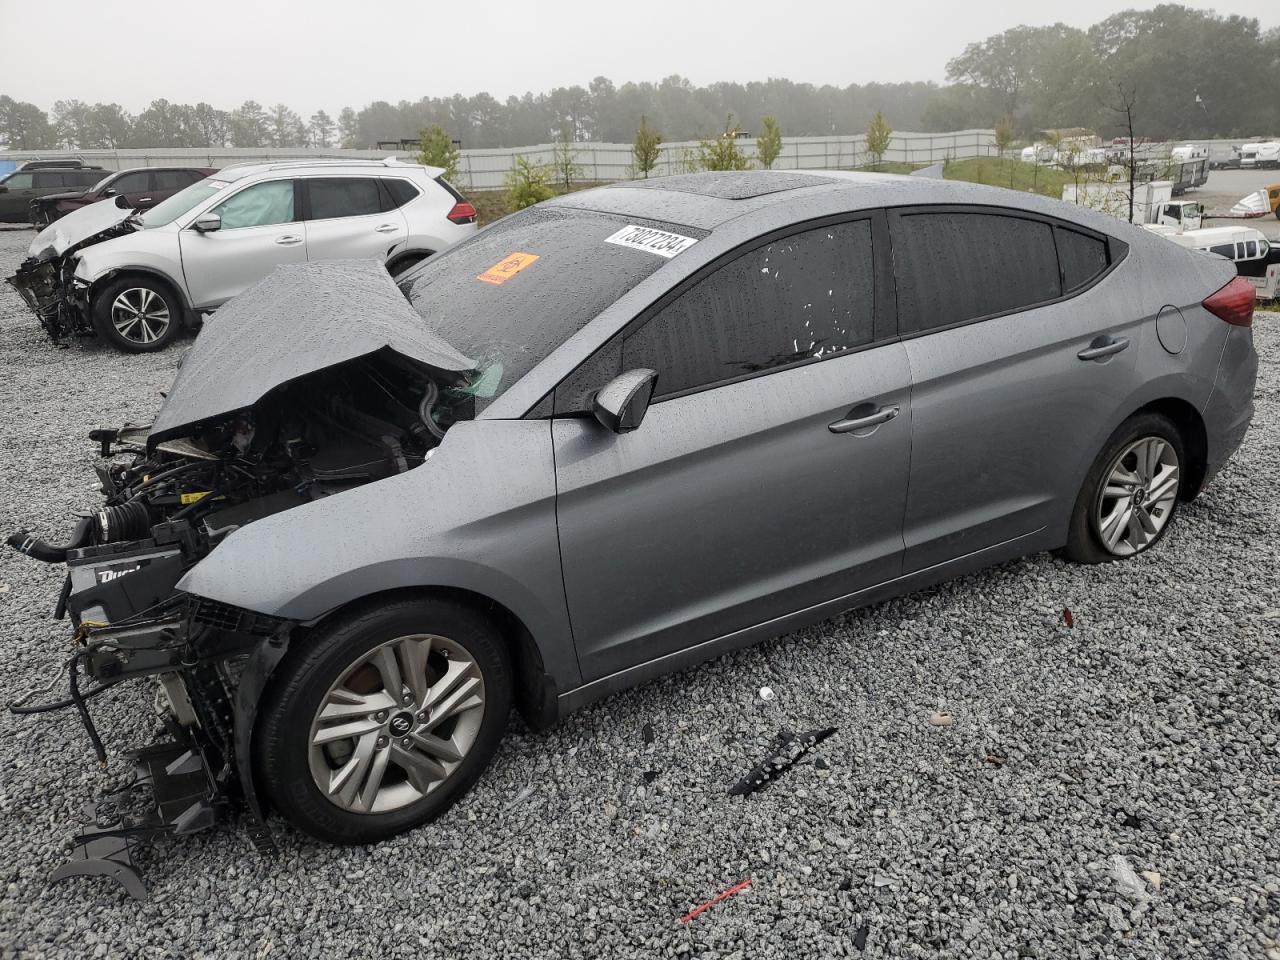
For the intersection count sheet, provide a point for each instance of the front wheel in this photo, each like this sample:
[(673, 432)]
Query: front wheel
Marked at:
[(137, 314), (1131, 492), (381, 721)]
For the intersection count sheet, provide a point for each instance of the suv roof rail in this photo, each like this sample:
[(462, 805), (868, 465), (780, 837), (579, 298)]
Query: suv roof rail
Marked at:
[(338, 162)]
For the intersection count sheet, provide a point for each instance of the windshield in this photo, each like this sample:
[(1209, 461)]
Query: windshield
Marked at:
[(170, 210), (523, 286)]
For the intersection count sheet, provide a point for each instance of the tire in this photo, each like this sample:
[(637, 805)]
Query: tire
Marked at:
[(405, 262), (342, 670), (1100, 530), (152, 305)]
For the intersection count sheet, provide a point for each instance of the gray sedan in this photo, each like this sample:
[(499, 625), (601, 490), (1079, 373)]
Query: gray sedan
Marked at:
[(627, 430)]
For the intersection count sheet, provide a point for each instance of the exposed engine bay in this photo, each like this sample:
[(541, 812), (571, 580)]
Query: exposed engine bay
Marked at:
[(315, 409)]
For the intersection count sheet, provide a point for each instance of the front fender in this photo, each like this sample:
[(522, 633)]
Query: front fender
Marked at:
[(478, 516)]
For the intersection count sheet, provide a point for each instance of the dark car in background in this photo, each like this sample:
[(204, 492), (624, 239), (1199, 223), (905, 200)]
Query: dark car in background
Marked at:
[(142, 188), (19, 188)]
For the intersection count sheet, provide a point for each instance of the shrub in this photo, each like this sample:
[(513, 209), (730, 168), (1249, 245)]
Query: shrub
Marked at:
[(436, 149), (723, 153), (528, 183), (769, 143)]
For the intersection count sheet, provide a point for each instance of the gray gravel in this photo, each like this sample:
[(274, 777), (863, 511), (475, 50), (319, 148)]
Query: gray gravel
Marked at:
[(1079, 765)]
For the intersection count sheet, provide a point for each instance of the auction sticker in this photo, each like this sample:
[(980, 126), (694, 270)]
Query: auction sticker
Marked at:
[(508, 267), (652, 241)]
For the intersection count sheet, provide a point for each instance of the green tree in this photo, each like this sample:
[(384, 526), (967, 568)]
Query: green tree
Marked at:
[(348, 128), (1004, 134), (878, 135), (249, 125), (320, 129), (645, 150), (528, 183), (436, 149), (723, 153), (564, 160), (769, 143)]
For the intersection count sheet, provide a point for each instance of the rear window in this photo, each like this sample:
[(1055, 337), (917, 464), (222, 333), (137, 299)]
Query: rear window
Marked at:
[(953, 267), (1083, 257), (175, 179), (523, 286)]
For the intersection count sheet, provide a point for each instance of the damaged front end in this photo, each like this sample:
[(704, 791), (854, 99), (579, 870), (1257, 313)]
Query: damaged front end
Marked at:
[(46, 279), (318, 380)]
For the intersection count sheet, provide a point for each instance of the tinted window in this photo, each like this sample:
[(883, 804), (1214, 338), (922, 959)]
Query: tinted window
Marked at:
[(258, 205), (1083, 257), (174, 179), (802, 297), (19, 181), (402, 191), (344, 197), (1224, 250), (547, 274), (953, 267), (131, 182), (47, 180), (87, 178)]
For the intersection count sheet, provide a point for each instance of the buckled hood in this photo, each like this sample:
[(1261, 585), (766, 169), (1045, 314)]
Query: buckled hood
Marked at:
[(97, 221), (302, 319)]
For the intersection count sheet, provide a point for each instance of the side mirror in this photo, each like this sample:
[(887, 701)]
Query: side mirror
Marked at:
[(3, 188), (122, 202), (109, 192), (208, 223), (622, 402)]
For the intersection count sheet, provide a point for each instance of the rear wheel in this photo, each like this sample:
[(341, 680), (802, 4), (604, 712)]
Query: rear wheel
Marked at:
[(1131, 493), (137, 314), (383, 720)]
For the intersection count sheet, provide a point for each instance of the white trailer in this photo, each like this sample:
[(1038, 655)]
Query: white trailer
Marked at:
[(1153, 203), (1260, 155)]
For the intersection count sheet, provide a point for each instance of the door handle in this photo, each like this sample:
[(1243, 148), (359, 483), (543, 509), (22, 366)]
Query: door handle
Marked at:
[(1101, 348), (883, 415), (386, 228), (144, 199), (288, 240)]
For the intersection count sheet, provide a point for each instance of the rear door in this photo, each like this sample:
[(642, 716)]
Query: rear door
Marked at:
[(1019, 351), (260, 231), (745, 494), (351, 217)]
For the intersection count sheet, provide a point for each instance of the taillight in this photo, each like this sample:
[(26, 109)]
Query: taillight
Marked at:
[(1234, 303), (462, 212)]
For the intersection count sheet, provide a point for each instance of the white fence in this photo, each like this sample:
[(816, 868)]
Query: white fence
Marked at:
[(485, 169)]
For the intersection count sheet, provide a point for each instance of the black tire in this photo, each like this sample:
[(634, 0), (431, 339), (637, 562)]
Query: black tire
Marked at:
[(282, 744), (137, 290), (406, 261), (1085, 543)]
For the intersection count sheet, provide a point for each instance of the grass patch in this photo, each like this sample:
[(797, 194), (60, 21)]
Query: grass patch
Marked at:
[(1010, 174), (890, 166)]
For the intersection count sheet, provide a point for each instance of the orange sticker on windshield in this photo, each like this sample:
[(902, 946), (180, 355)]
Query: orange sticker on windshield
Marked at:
[(507, 268)]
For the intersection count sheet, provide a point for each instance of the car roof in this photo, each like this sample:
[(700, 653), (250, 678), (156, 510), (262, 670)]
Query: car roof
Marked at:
[(709, 200), (238, 171)]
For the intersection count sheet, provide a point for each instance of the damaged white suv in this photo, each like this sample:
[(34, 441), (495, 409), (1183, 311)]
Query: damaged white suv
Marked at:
[(133, 278)]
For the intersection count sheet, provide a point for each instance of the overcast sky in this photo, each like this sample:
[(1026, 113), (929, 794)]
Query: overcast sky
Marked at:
[(329, 54)]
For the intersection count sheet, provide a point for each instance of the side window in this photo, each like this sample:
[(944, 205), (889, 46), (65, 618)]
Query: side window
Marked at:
[(87, 178), (401, 191), (343, 197), (1082, 257), (132, 183), (19, 181), (173, 179), (1224, 250), (257, 206), (801, 297), (49, 180), (953, 267)]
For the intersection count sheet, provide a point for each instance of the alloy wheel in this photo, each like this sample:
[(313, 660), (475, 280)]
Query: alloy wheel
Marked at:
[(140, 315), (396, 724), (1138, 496)]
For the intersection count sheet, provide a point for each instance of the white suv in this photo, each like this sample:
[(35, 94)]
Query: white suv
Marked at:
[(133, 277)]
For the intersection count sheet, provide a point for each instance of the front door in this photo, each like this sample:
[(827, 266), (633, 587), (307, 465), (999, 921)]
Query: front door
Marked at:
[(770, 472), (260, 231)]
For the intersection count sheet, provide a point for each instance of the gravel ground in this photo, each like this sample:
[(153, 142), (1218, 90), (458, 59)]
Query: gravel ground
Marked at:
[(1143, 739)]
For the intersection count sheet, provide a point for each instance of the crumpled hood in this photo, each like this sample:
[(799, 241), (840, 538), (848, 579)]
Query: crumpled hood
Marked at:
[(301, 319), (1255, 204), (78, 227)]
